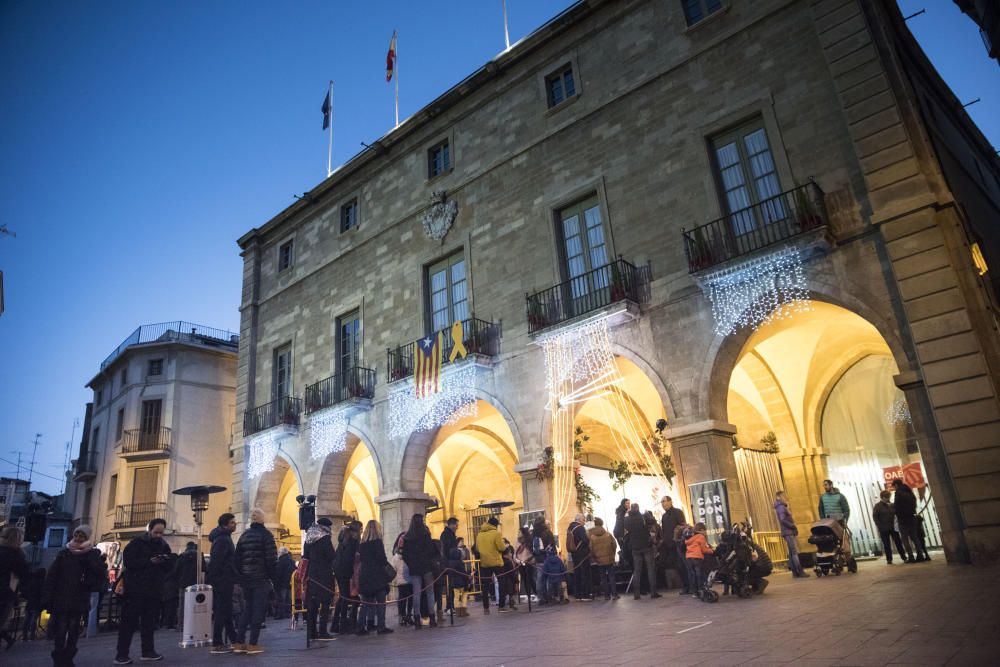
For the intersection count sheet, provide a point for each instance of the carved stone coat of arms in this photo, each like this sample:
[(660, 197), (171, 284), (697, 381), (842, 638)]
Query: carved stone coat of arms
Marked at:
[(438, 219)]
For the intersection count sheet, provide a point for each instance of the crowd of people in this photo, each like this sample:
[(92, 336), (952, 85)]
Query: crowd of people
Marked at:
[(345, 582)]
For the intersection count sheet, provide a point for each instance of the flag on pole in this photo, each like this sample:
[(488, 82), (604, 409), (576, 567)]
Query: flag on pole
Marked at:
[(326, 109), (390, 59), (427, 365)]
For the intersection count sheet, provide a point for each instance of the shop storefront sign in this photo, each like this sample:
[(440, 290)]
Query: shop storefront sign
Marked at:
[(911, 474), (710, 504)]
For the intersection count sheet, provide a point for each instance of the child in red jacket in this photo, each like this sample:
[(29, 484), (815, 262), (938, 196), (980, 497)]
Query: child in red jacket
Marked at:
[(697, 548)]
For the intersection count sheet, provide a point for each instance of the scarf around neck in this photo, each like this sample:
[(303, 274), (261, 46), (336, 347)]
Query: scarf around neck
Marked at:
[(77, 549)]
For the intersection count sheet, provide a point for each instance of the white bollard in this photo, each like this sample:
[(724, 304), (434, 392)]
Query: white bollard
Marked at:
[(197, 616)]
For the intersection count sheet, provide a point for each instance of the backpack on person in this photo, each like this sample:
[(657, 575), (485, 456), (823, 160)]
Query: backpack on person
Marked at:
[(571, 543)]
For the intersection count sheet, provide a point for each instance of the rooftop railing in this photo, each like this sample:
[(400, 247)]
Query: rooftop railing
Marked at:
[(173, 331)]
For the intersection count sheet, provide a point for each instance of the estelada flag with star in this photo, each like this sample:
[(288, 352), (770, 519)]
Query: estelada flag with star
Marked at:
[(427, 365)]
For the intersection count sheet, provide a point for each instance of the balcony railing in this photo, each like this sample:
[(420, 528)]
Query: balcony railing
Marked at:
[(355, 382), (479, 337), (137, 515), (284, 411), (143, 441), (173, 331), (86, 465), (618, 281), (742, 232)]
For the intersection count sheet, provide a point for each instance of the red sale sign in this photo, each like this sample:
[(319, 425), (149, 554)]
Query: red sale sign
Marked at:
[(911, 474)]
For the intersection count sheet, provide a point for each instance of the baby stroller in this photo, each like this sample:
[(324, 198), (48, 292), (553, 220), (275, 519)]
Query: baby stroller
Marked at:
[(833, 547), (731, 567)]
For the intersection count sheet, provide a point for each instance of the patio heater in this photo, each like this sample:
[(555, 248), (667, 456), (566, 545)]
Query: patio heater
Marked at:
[(198, 598)]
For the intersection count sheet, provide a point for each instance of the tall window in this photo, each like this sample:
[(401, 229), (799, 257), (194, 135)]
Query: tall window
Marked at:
[(56, 538), (149, 424), (113, 492), (285, 256), (88, 500), (99, 396), (584, 246), (449, 297), (119, 424), (144, 485), (349, 341), (155, 367), (282, 372), (748, 177), (559, 86), (438, 159), (124, 377), (698, 10), (95, 437), (349, 215)]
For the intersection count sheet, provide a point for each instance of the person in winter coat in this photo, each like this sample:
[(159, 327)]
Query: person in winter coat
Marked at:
[(170, 598), (578, 546), (283, 583), (346, 609), (147, 563), (905, 504), (541, 539), (621, 512), (833, 504), (76, 571), (320, 554), (449, 536), (553, 574), (32, 588), (186, 574), (256, 558), (458, 576), (419, 555), (697, 549), (639, 540), (12, 564), (404, 592), (789, 531), (672, 517), (760, 567), (222, 575), (373, 580), (490, 545), (884, 516), (603, 548), (524, 560)]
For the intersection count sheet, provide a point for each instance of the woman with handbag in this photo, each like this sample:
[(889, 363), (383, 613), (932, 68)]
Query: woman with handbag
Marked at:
[(373, 578), (75, 573)]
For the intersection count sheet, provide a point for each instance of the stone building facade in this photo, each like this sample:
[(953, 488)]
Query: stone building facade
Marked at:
[(161, 419), (698, 143)]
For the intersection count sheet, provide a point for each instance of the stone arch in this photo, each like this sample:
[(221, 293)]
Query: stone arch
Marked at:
[(420, 444), (334, 474), (267, 487)]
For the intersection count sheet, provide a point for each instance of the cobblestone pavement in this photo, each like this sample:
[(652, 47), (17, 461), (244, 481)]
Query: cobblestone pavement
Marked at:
[(921, 614)]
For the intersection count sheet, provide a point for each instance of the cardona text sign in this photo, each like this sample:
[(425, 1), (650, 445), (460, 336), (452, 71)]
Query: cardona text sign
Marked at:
[(710, 504)]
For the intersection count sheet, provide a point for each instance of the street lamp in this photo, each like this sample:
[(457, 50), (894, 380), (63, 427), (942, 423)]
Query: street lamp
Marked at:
[(198, 598)]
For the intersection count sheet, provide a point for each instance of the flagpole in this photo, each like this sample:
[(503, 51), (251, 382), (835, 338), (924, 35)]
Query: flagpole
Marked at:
[(395, 73), (506, 32), (329, 154)]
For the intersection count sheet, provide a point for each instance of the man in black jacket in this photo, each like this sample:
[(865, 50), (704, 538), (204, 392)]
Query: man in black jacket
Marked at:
[(905, 504), (346, 610), (222, 576), (320, 553), (449, 541), (884, 516), (673, 517), (642, 551), (146, 563), (257, 559), (578, 545)]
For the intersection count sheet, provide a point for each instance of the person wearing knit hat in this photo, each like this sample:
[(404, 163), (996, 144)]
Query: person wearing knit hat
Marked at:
[(257, 555), (75, 573)]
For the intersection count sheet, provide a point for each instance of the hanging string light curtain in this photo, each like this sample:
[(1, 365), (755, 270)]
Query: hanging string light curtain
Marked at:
[(262, 448), (758, 291), (456, 400), (327, 433)]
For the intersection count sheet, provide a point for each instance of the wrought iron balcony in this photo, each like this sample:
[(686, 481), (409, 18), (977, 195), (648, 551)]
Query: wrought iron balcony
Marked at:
[(283, 411), (137, 515), (146, 441), (618, 281), (355, 382), (772, 221), (479, 336), (86, 466)]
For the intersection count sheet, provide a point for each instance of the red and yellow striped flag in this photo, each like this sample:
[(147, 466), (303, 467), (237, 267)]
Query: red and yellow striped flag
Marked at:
[(427, 365)]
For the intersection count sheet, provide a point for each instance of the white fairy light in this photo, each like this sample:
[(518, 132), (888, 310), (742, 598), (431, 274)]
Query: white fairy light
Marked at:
[(327, 432), (898, 413), (758, 291), (580, 354), (262, 448), (456, 400)]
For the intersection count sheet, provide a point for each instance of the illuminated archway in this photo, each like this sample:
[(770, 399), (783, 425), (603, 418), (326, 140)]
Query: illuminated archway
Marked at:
[(276, 492), (349, 482), (471, 462), (613, 422)]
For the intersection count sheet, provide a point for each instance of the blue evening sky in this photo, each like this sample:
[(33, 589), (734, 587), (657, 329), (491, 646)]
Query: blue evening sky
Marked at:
[(139, 140)]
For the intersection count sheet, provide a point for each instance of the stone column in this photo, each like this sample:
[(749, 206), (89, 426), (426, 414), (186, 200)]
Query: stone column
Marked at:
[(703, 451), (397, 509), (537, 494)]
